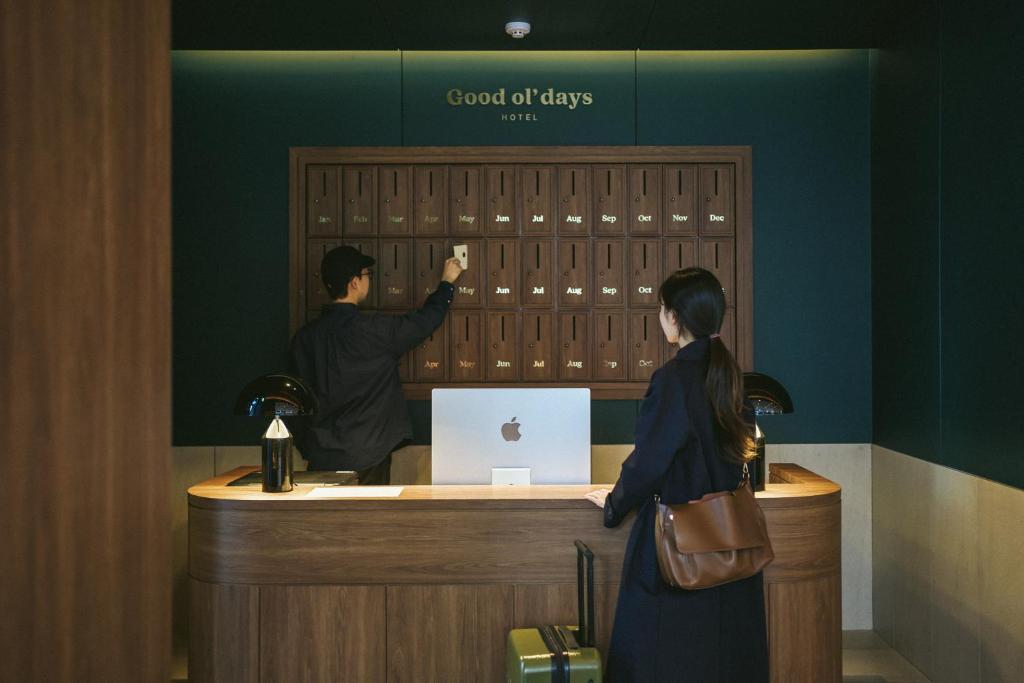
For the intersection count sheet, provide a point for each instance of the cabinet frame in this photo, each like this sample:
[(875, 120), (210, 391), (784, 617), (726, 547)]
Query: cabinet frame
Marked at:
[(739, 157)]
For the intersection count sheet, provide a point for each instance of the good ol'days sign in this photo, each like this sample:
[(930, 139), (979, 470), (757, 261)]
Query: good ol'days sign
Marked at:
[(526, 97)]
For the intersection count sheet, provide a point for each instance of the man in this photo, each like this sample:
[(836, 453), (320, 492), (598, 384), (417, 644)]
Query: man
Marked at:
[(350, 360)]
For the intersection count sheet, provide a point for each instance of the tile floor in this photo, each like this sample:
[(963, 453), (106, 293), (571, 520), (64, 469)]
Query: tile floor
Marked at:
[(866, 659)]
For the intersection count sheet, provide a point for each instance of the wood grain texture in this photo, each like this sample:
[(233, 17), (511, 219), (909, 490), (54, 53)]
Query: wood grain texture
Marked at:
[(85, 341), (448, 633), (458, 561), (805, 637), (310, 634), (224, 633), (523, 163), (395, 546)]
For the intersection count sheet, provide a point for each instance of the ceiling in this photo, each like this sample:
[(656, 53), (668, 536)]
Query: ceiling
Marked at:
[(557, 24)]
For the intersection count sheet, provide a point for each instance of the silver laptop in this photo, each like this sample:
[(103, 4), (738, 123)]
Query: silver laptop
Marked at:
[(475, 431)]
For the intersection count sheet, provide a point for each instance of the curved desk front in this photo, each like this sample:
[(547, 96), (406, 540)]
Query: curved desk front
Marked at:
[(425, 586)]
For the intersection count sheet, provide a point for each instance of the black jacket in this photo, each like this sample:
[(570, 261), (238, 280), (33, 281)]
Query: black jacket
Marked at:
[(350, 360), (715, 635)]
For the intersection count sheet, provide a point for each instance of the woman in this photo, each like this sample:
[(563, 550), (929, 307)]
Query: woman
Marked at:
[(692, 437)]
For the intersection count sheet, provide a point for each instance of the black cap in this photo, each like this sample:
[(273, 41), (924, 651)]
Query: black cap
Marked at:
[(339, 266)]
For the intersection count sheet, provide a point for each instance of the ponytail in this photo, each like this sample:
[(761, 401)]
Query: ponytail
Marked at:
[(724, 386)]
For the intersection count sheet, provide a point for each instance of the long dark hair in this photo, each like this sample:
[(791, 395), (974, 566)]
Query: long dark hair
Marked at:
[(696, 297)]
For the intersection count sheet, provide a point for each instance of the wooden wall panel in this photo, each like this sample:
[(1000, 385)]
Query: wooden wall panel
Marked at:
[(448, 633), (564, 230), (312, 634), (85, 341), (224, 633)]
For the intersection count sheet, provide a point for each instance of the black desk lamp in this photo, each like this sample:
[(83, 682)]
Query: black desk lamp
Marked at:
[(276, 396), (769, 398)]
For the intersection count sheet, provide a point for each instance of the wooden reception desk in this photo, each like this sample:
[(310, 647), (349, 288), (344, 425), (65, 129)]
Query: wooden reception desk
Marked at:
[(426, 586)]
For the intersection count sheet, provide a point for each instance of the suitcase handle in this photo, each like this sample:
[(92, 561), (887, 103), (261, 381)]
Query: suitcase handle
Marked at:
[(585, 608)]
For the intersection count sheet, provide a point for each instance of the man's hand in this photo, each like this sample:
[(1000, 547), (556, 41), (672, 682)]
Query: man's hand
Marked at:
[(597, 497), (452, 270)]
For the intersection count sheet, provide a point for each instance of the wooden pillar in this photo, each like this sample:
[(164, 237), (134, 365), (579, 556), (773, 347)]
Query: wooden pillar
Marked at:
[(84, 340)]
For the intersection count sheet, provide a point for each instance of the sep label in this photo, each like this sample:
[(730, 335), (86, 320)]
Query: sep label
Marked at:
[(605, 218), (610, 291)]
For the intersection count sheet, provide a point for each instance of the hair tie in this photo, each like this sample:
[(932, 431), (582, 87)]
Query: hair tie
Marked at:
[(714, 336)]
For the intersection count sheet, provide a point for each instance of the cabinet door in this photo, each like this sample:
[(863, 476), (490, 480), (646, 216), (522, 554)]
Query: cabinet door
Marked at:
[(645, 272), (502, 272), (500, 192), (536, 192), (316, 293), (537, 272), (680, 252), (610, 195), (466, 217), (719, 257), (681, 199), (430, 358), (574, 360), (341, 632), (538, 346), (645, 344), (610, 267), (573, 200), (359, 198), (574, 272), (609, 337), (716, 193), (428, 266), (322, 217), (644, 200), (430, 199), (394, 271), (393, 205), (502, 346), (469, 287), (466, 346), (369, 247)]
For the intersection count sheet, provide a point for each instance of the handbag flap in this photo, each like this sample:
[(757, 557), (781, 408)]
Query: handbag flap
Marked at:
[(727, 520)]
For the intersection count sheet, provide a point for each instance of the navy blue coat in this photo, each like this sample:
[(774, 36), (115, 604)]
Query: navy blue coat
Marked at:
[(715, 635)]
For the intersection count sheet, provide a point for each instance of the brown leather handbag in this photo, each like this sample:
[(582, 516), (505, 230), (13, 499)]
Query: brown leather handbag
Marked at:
[(720, 538)]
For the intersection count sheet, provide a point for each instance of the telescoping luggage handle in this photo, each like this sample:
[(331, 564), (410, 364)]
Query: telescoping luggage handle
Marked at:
[(586, 611)]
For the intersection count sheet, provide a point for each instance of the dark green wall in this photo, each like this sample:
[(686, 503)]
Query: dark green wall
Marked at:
[(948, 316), (806, 115)]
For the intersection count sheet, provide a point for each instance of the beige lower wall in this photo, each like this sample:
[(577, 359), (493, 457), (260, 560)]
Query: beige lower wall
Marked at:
[(948, 569)]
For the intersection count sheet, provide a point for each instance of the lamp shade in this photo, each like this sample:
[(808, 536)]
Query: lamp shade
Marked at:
[(767, 394), (276, 396)]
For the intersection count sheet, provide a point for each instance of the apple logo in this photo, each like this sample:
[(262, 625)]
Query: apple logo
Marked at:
[(510, 430)]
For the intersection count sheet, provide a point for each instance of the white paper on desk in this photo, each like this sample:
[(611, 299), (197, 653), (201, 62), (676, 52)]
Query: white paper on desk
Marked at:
[(355, 492)]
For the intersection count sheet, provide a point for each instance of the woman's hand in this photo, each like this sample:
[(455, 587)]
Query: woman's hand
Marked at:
[(597, 497)]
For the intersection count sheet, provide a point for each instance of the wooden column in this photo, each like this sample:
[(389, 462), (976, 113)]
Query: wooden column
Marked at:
[(84, 340)]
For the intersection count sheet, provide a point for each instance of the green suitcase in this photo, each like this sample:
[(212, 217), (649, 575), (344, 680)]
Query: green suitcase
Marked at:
[(559, 654)]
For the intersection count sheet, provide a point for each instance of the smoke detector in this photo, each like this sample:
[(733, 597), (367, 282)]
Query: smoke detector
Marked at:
[(517, 29)]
